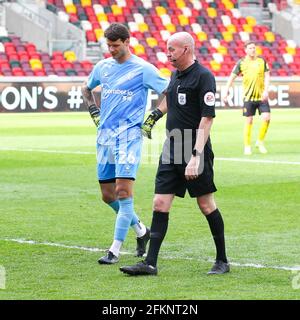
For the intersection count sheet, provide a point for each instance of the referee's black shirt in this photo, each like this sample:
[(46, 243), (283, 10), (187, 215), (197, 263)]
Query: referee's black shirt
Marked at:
[(190, 96)]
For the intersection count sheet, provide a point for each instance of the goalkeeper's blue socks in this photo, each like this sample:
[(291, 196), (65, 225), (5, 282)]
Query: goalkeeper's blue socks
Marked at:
[(135, 223), (114, 205), (124, 218), (121, 227)]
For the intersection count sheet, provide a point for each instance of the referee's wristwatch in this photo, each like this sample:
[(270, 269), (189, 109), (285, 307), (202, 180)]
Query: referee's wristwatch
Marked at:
[(196, 153)]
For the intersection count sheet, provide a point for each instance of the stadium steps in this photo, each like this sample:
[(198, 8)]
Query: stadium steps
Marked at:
[(2, 15), (267, 18), (94, 52)]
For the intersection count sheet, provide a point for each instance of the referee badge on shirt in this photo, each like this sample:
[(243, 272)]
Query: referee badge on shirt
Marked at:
[(182, 98), (209, 99)]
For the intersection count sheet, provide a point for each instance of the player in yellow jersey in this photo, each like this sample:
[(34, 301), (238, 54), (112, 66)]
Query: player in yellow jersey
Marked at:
[(256, 78)]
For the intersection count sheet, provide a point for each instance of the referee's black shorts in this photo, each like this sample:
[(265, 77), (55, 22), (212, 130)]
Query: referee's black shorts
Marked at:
[(170, 179), (250, 107)]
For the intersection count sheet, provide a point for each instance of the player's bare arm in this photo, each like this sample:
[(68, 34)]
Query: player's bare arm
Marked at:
[(155, 115), (265, 94), (162, 103), (89, 100), (192, 168), (228, 85)]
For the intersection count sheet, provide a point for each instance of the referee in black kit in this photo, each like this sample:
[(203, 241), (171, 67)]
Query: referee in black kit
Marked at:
[(187, 158)]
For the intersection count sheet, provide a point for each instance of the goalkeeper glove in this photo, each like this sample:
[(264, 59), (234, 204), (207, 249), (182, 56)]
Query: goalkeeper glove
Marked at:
[(150, 122), (95, 114)]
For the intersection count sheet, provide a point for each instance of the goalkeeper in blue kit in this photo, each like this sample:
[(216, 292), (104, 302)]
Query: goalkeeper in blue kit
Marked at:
[(124, 80)]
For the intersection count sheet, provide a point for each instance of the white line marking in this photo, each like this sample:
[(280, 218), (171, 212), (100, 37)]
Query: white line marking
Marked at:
[(90, 249), (156, 156), (59, 245), (47, 151), (258, 161)]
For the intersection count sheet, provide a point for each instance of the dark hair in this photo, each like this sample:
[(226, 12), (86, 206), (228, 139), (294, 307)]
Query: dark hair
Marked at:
[(117, 31), (246, 44)]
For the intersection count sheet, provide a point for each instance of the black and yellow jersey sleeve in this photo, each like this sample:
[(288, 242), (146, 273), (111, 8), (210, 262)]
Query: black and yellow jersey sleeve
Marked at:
[(237, 68)]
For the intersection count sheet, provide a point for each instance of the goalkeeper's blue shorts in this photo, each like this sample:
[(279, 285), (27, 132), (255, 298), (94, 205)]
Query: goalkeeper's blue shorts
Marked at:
[(120, 160)]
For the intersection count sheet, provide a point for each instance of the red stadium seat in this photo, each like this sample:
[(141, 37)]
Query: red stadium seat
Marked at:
[(208, 15)]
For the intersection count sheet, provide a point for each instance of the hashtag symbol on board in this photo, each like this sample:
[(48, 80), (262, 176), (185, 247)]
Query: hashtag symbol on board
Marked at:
[(75, 98)]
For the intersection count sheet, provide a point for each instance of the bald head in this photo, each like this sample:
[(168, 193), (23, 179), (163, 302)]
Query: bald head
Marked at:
[(180, 50), (183, 39)]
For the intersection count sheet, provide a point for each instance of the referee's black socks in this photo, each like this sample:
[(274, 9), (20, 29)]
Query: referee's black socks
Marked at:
[(216, 225), (159, 227)]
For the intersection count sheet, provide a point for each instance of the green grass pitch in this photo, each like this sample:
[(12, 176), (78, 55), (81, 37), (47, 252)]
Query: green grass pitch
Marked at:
[(54, 227)]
